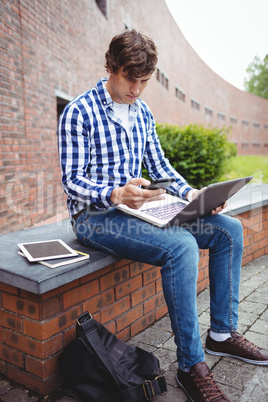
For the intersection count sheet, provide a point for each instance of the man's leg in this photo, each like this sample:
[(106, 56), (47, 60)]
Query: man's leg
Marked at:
[(223, 236)]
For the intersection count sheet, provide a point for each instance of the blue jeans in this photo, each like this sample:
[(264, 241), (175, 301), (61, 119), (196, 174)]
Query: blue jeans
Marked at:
[(176, 250)]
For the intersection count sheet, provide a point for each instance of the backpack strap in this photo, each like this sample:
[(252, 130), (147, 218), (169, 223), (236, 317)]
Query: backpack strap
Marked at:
[(87, 329)]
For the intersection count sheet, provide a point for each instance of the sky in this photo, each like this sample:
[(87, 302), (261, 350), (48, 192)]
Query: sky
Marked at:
[(226, 34)]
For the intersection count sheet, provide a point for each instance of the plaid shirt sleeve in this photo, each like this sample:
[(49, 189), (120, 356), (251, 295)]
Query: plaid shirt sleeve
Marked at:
[(74, 152)]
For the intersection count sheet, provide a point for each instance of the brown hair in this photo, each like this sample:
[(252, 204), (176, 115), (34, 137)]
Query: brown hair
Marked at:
[(134, 51)]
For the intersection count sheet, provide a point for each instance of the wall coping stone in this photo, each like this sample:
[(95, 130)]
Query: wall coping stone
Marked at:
[(34, 277)]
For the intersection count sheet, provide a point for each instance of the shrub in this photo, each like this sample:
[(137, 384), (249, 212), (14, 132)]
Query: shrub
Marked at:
[(198, 153)]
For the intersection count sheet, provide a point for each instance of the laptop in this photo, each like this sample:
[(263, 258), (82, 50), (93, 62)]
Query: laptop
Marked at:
[(175, 211)]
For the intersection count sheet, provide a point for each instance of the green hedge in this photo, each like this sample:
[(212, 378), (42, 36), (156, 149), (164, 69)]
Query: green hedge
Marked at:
[(198, 153)]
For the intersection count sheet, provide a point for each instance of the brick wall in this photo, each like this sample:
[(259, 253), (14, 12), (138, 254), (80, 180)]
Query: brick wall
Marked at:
[(53, 49), (126, 297)]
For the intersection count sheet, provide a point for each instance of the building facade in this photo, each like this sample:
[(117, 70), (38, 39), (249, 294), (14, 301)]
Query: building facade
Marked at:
[(54, 50)]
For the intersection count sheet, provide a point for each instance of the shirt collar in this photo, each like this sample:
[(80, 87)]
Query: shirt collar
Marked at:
[(105, 97)]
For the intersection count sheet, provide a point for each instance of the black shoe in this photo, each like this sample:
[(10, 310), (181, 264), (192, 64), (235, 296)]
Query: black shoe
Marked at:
[(200, 385), (239, 347)]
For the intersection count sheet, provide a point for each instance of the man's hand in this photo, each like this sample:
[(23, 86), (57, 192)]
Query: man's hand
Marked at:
[(219, 209), (133, 196), (194, 193)]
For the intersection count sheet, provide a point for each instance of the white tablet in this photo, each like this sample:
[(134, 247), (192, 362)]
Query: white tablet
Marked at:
[(46, 250)]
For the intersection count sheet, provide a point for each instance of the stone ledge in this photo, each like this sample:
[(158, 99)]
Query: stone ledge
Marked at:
[(33, 277)]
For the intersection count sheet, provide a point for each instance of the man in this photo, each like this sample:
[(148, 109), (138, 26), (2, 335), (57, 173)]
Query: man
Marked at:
[(105, 135)]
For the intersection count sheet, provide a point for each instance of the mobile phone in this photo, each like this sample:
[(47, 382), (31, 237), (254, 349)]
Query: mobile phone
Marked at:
[(160, 183)]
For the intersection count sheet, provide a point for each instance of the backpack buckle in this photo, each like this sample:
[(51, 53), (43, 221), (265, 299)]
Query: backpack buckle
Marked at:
[(83, 317), (162, 384), (148, 390)]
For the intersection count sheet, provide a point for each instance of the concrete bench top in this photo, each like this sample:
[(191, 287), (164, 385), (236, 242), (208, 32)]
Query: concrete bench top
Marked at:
[(17, 271)]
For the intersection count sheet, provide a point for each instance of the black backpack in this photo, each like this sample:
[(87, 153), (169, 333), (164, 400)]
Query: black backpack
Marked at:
[(103, 368)]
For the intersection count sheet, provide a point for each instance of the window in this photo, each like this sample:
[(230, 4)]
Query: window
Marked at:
[(245, 123), (208, 111), (233, 120), (61, 103), (245, 144), (102, 4), (195, 104), (265, 125), (162, 78), (180, 94), (221, 116), (158, 74), (256, 124), (62, 100)]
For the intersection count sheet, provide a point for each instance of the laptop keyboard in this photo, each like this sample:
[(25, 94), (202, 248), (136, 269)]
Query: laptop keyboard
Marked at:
[(166, 211)]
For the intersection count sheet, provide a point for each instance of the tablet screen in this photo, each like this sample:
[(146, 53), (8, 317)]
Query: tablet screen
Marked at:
[(46, 250)]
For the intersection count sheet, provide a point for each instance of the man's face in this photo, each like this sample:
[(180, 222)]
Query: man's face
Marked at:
[(125, 89)]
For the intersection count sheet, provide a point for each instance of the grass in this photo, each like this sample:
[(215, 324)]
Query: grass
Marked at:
[(248, 165)]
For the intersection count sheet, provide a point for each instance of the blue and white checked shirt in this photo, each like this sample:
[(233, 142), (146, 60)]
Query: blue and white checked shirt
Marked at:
[(97, 154)]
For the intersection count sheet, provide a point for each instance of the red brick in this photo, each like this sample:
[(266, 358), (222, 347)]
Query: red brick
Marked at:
[(115, 310), (258, 236), (3, 367), (34, 383), (97, 274), (124, 335), (2, 335), (122, 263), (203, 262), (158, 286), (263, 243), (151, 275), (20, 305), (114, 278), (202, 285), (8, 288), (142, 323), (11, 355), (248, 240), (69, 335), (153, 303), (33, 347), (161, 311), (42, 368), (79, 294), (142, 294), (111, 326), (247, 259), (138, 267), (98, 302), (128, 287), (258, 254), (46, 329), (11, 321), (128, 318)]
